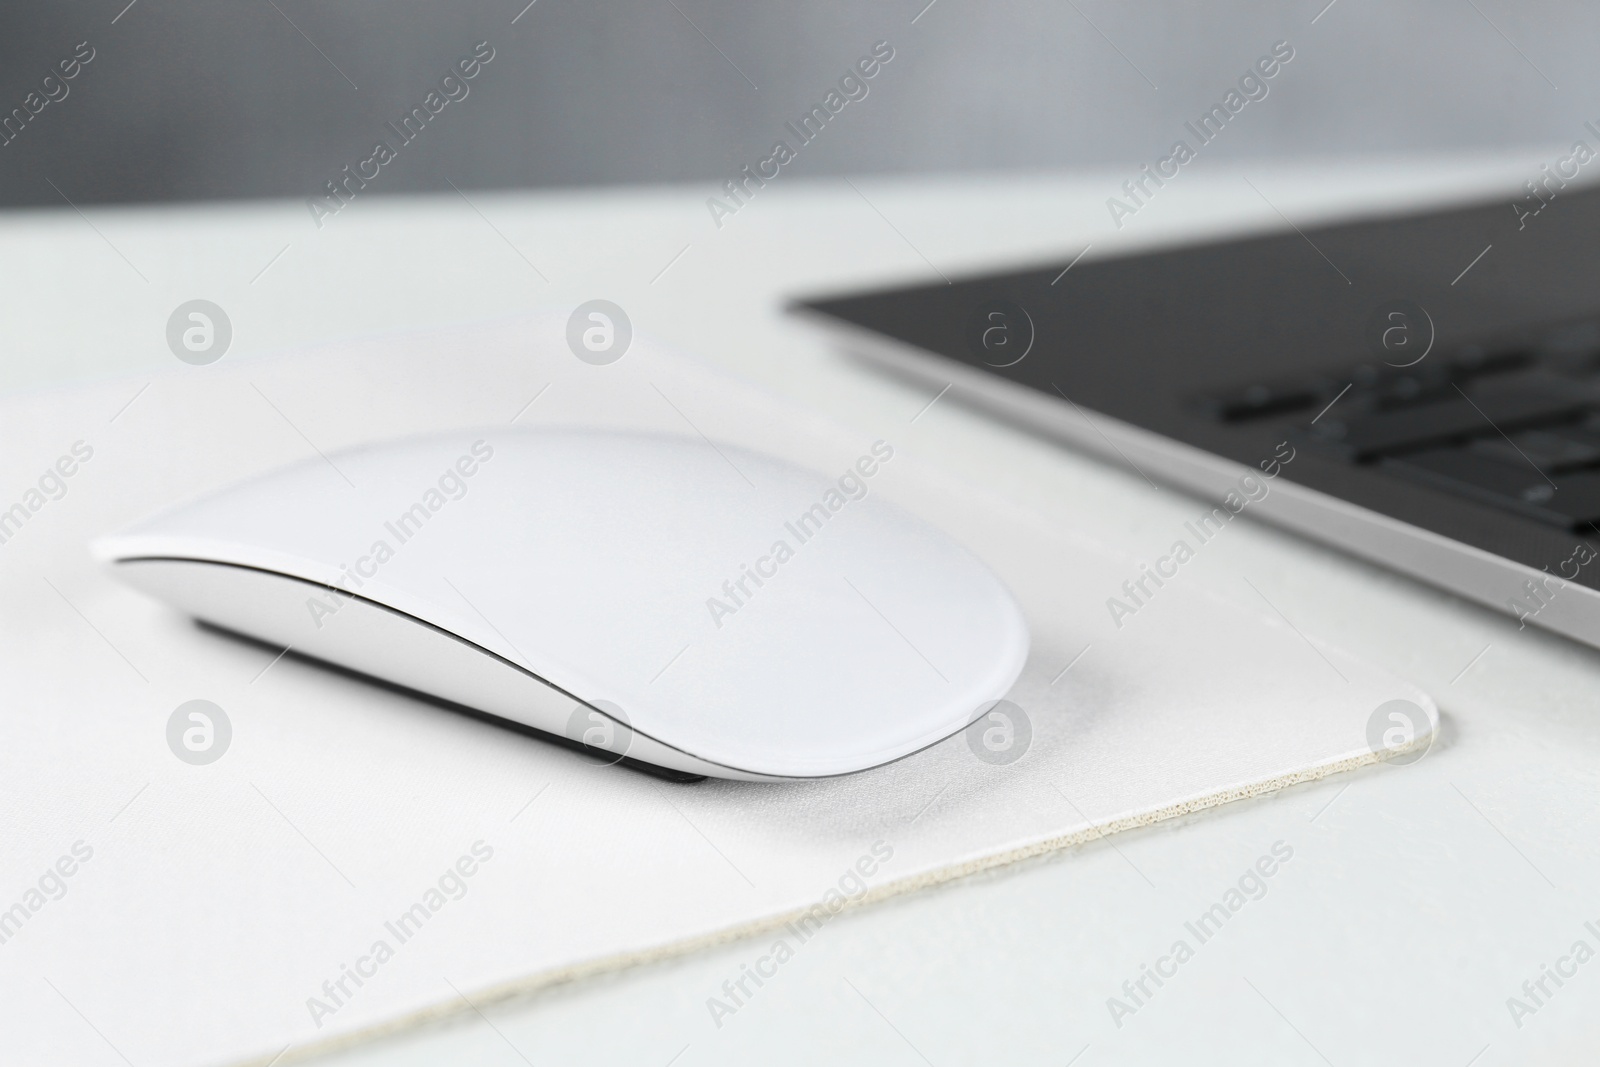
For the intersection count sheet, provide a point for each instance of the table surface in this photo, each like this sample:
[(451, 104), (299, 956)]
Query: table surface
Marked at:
[(1419, 900)]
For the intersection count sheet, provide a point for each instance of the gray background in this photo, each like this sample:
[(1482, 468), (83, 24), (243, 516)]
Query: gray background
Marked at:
[(196, 100)]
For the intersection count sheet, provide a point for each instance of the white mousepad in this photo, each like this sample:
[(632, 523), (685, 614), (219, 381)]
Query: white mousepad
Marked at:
[(352, 858)]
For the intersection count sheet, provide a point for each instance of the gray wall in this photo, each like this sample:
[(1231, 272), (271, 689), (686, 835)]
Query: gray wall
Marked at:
[(186, 99)]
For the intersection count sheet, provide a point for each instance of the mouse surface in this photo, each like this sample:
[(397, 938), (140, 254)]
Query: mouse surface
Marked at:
[(693, 605)]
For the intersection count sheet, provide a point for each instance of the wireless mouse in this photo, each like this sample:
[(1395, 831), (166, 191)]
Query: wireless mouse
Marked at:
[(689, 604)]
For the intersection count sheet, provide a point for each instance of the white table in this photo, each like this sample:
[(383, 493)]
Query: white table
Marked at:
[(1418, 899)]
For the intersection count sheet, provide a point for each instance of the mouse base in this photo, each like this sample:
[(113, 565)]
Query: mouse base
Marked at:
[(381, 644), (594, 756)]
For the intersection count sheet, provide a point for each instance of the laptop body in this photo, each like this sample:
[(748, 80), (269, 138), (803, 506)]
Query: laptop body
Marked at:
[(1422, 390)]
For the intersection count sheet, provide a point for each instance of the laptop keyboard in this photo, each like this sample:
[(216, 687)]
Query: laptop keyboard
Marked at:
[(1515, 429)]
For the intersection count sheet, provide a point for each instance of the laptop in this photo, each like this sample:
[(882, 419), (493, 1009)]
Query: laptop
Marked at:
[(1422, 390)]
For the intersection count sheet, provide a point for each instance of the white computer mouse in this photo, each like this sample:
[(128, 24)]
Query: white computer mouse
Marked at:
[(690, 604)]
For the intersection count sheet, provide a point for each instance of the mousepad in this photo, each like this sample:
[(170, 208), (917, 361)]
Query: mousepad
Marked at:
[(317, 858)]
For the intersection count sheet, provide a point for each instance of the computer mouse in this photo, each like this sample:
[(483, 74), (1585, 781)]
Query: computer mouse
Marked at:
[(686, 603)]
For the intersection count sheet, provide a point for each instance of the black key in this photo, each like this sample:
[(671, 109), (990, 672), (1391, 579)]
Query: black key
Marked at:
[(1382, 378), (1573, 501), (1554, 451), (1369, 387), (1411, 389), (1496, 405), (1260, 401)]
